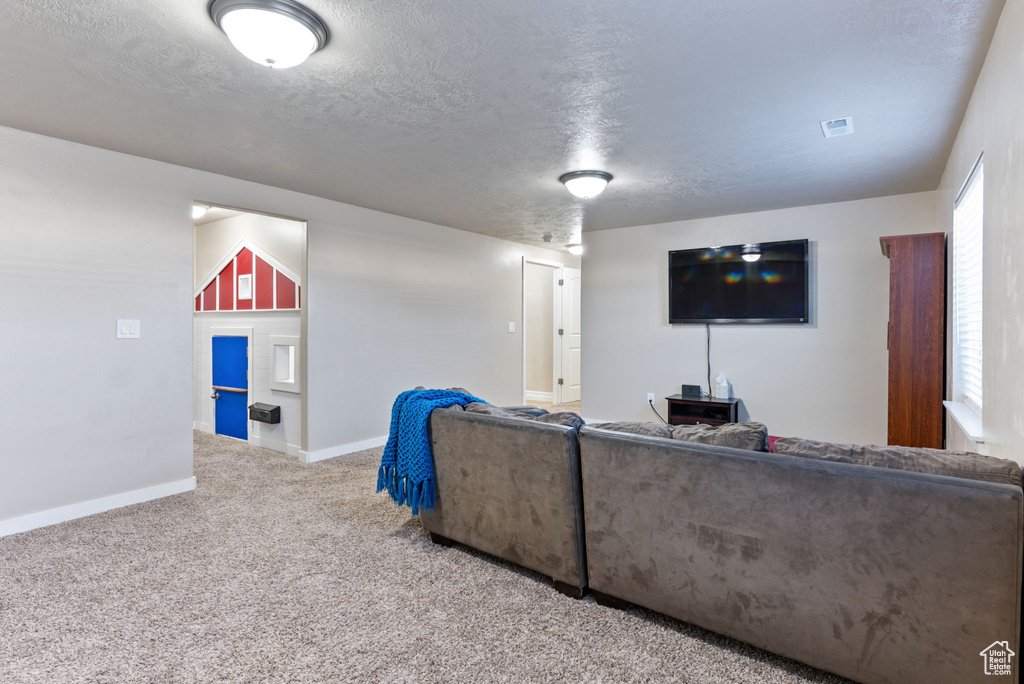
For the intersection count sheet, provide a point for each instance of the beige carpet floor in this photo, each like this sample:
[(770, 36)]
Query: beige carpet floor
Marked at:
[(274, 571), (573, 406)]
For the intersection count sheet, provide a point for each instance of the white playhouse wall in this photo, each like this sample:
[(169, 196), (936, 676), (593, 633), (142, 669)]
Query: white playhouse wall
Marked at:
[(286, 436)]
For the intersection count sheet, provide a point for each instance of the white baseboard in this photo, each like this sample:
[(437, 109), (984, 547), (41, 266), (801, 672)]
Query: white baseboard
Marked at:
[(548, 397), (274, 445), (202, 427), (342, 449), (80, 510)]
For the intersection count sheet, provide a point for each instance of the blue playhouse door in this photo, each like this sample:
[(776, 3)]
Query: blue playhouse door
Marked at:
[(231, 386)]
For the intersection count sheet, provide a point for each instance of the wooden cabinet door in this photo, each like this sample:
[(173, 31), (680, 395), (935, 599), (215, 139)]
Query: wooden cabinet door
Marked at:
[(917, 328)]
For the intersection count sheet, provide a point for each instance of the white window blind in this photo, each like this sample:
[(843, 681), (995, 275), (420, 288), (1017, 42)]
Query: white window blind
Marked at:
[(968, 220)]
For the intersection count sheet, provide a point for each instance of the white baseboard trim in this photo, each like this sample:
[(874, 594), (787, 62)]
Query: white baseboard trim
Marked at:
[(342, 449), (539, 396), (273, 445), (202, 427), (80, 510)]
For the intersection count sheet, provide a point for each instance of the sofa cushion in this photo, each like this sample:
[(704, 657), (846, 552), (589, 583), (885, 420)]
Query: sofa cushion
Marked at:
[(491, 410), (566, 418), (920, 460), (638, 428), (749, 436), (528, 410)]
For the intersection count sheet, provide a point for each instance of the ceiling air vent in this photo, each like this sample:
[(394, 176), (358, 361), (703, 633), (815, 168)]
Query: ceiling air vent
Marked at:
[(836, 127)]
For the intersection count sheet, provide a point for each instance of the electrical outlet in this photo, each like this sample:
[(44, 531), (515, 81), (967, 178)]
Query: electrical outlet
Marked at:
[(650, 397)]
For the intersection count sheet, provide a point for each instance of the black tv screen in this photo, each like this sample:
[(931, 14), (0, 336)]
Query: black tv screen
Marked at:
[(765, 282)]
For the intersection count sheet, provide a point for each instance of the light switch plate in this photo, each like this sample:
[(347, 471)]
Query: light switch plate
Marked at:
[(511, 327), (128, 328)]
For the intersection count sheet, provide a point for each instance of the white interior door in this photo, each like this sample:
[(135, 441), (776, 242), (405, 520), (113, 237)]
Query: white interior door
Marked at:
[(541, 344), (569, 387)]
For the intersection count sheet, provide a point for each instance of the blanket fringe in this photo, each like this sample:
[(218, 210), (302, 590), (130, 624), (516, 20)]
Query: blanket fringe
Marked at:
[(416, 495), (422, 496)]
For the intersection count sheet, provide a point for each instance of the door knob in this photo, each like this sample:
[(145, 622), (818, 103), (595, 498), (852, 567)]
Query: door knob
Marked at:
[(215, 395)]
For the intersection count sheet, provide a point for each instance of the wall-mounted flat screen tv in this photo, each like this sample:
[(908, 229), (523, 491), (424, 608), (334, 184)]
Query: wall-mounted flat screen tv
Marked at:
[(765, 282)]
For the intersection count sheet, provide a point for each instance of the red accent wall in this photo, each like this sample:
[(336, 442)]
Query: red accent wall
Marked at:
[(226, 288), (264, 297), (285, 292), (244, 267), (222, 293), (210, 296)]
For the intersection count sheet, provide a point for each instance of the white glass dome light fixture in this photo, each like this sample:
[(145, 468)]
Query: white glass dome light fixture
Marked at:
[(751, 252), (586, 184), (275, 33), (199, 210)]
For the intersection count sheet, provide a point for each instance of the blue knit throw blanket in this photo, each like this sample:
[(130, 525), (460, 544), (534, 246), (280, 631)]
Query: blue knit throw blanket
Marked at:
[(407, 466)]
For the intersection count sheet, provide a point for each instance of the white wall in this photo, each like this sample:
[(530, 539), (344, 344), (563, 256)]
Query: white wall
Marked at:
[(285, 436), (395, 303), (89, 236), (283, 239), (994, 124), (539, 320), (826, 380)]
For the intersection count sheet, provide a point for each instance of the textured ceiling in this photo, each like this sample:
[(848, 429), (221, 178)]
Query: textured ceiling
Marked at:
[(465, 112)]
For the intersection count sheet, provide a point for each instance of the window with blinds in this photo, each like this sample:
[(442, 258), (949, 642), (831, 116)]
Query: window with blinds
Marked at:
[(968, 219)]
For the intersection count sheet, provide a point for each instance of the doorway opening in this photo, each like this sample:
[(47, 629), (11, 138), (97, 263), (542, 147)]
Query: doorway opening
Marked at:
[(249, 325), (551, 335)]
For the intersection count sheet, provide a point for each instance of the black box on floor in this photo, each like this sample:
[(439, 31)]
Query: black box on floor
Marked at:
[(690, 391), (265, 413)]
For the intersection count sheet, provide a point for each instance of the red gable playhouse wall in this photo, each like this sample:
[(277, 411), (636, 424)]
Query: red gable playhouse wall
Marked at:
[(272, 290)]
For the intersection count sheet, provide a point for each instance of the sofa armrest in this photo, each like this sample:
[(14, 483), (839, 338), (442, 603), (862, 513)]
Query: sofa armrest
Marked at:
[(511, 488)]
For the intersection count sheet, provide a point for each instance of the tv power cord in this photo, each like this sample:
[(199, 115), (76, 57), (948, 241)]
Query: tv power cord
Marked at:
[(651, 404)]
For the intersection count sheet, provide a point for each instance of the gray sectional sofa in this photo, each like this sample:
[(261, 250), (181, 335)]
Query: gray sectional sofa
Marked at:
[(876, 574), (873, 572)]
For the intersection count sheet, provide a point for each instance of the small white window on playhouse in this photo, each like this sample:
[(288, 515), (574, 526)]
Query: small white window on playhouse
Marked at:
[(284, 363), (245, 286)]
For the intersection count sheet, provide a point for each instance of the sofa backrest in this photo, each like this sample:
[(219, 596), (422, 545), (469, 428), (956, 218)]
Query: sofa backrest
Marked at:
[(878, 575)]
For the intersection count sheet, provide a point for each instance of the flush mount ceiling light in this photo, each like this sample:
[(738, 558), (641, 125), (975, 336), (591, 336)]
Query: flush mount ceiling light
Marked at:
[(198, 211), (274, 33), (585, 184), (575, 248), (751, 253)]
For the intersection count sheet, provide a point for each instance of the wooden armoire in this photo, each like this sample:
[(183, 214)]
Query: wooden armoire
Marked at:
[(917, 338)]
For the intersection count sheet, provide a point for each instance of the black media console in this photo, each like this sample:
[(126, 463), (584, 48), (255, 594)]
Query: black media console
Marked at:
[(707, 410)]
